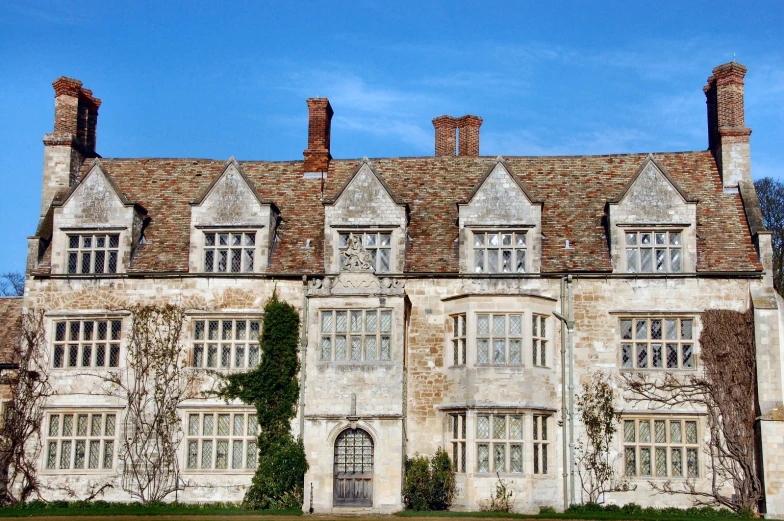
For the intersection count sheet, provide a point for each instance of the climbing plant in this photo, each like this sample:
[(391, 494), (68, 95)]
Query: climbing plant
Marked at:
[(725, 388), (273, 389), (595, 466)]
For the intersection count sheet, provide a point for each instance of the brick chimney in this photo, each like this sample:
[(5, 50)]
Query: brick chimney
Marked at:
[(73, 139), (446, 135), (468, 126), (457, 133), (728, 136), (317, 155)]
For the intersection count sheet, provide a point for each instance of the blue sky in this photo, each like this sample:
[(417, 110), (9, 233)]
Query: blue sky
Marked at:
[(216, 79)]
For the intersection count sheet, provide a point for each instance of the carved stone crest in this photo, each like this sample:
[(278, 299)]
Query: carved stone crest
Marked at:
[(356, 257)]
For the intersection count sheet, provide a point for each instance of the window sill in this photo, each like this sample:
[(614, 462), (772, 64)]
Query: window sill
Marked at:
[(77, 472), (223, 472), (656, 369), (356, 363)]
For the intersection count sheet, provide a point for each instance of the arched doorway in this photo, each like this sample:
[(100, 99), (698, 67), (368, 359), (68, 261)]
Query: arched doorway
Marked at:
[(353, 471)]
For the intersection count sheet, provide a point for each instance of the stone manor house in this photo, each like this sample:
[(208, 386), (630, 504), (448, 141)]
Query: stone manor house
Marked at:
[(429, 290)]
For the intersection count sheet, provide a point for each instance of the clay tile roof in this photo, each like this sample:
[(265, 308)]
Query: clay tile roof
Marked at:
[(574, 191), (10, 327)]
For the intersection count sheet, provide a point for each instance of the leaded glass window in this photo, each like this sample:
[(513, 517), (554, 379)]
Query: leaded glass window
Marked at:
[(499, 252), (653, 251), (499, 440), (81, 441), (226, 343), (541, 443), (93, 253), (86, 343), (458, 339), (223, 440), (356, 335), (661, 447), (457, 430), (499, 339), (657, 343), (232, 252), (539, 340)]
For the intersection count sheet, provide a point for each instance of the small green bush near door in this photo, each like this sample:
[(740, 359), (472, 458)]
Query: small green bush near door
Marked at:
[(429, 483)]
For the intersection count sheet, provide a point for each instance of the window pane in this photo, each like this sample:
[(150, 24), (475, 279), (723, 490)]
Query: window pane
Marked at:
[(482, 427), (499, 427), (499, 457), (675, 260), (482, 354), (499, 351), (479, 261), (645, 461), (206, 454), (515, 351), (661, 462), (630, 461), (631, 261), (492, 261), (482, 325), (515, 427), (645, 431), (482, 458)]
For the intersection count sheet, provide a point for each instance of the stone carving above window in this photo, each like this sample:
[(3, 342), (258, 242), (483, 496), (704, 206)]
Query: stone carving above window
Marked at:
[(355, 257), (366, 209)]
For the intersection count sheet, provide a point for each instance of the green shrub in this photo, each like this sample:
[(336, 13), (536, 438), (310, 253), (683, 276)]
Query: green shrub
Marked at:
[(429, 484), (631, 509), (614, 509), (546, 511)]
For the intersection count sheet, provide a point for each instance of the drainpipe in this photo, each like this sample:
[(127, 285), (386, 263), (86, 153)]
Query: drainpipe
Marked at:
[(564, 420), (304, 350), (570, 328), (568, 321)]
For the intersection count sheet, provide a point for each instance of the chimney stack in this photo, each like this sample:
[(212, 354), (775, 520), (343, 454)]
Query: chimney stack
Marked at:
[(73, 139), (317, 156), (728, 136), (457, 135)]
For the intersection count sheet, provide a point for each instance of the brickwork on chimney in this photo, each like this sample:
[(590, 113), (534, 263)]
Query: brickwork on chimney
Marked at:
[(446, 135), (728, 136), (317, 155), (468, 126), (73, 139)]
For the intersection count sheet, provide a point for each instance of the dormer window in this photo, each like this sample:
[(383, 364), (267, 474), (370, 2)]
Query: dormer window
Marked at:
[(232, 252), (378, 245), (653, 251), (499, 252), (93, 253)]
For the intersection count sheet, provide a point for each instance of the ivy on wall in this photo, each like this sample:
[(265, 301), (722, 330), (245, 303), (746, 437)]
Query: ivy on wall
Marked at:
[(273, 389)]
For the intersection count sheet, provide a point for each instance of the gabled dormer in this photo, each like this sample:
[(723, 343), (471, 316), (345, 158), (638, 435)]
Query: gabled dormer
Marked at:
[(232, 227), (652, 224), (96, 228), (500, 225), (365, 211)]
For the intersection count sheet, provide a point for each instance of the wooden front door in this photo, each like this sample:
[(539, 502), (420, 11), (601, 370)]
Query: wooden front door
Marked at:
[(353, 473)]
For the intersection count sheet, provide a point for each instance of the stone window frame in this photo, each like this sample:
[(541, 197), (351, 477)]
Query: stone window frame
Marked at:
[(636, 247), (396, 243), (458, 339), (363, 334), (459, 432), (220, 343), (229, 231), (92, 245), (63, 347), (628, 343), (636, 441), (485, 231), (539, 340), (541, 429), (54, 434), (472, 305), (194, 434)]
